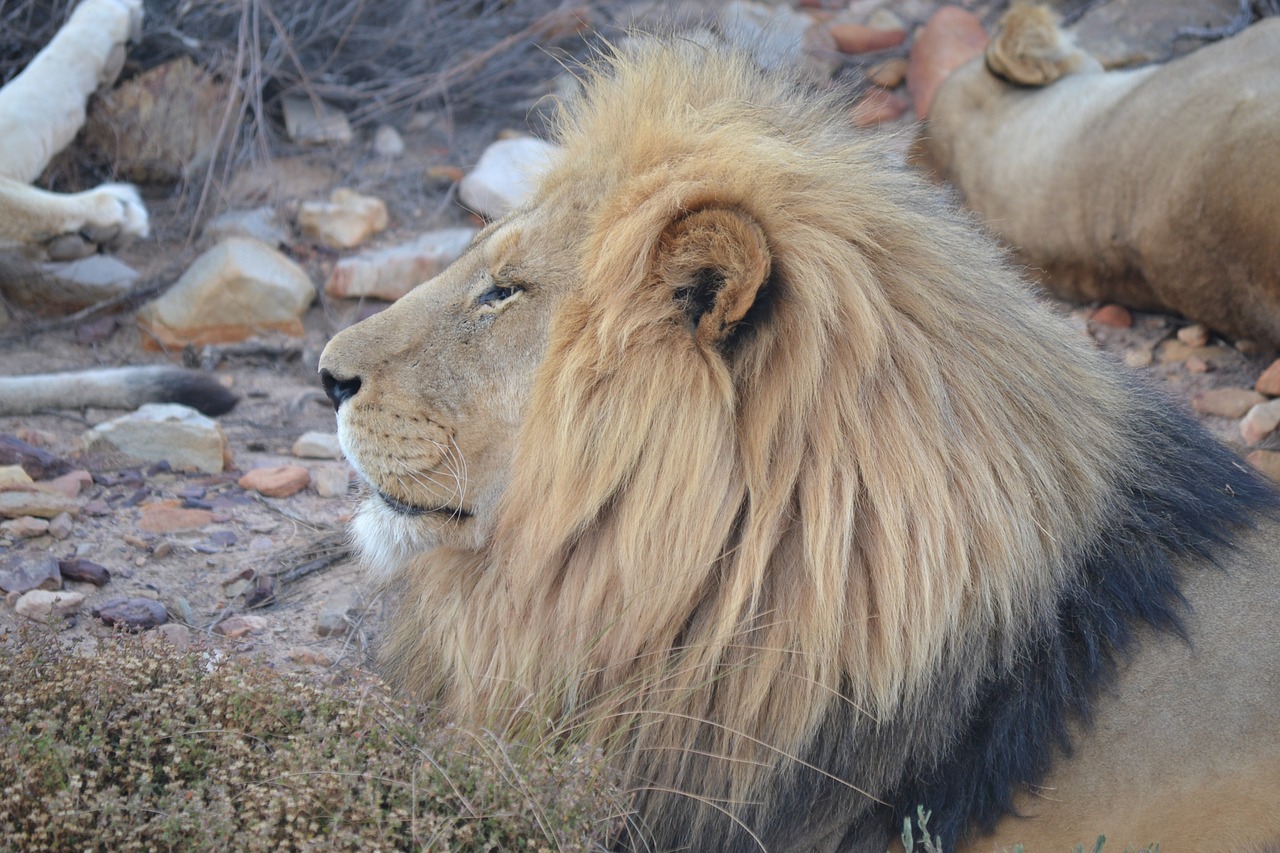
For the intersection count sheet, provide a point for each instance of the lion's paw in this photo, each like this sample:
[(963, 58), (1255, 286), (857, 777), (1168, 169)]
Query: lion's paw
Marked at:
[(106, 217)]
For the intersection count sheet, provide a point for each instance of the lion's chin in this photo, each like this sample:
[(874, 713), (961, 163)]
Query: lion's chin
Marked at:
[(388, 537)]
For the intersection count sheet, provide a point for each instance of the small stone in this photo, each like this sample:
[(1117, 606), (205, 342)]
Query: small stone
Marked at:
[(239, 288), (1115, 316), (70, 484), (387, 142), (1139, 358), (170, 517), (61, 527), (780, 37), (238, 582), (38, 463), (162, 550), (96, 508), (1196, 364), (65, 284), (338, 615), (136, 541), (39, 604), (306, 657), (167, 432), (39, 504), (137, 614), (855, 38), (236, 627), (1260, 421), (84, 571), (331, 481), (310, 121), (261, 223), (876, 106), (506, 175), (1226, 402), (1269, 382), (25, 572), (345, 221), (392, 272), (279, 481), (1194, 335), (889, 73), (317, 445), (25, 527), (178, 635), (949, 39), (14, 477)]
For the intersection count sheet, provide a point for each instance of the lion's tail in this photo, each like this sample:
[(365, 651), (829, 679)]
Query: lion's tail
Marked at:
[(115, 388)]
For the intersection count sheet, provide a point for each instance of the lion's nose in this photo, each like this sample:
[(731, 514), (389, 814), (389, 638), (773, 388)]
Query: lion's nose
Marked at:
[(339, 390)]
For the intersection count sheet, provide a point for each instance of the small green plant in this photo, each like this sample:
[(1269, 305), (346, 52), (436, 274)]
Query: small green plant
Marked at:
[(926, 842), (143, 747)]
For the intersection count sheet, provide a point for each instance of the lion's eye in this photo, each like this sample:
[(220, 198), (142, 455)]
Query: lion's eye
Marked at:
[(498, 294)]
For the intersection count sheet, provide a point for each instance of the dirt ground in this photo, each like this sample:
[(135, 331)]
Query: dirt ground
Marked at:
[(193, 571)]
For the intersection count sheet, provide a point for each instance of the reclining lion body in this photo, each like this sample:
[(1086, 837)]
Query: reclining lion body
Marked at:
[(738, 454), (1155, 187)]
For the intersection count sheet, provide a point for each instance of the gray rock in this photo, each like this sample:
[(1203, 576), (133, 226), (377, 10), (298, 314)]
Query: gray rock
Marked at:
[(392, 272), (313, 122), (780, 37), (39, 604), (238, 288), (134, 613), (24, 527), (65, 285), (25, 572), (61, 526), (163, 432), (339, 614), (331, 481), (387, 142), (1122, 33), (84, 571), (506, 175), (178, 635), (317, 445)]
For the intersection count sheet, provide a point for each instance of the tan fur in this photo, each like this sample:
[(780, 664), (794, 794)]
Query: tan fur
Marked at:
[(685, 535), (41, 110), (1155, 187)]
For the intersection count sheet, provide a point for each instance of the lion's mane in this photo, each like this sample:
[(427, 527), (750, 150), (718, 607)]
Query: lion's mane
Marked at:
[(873, 549)]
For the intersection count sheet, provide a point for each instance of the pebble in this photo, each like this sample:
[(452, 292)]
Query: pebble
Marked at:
[(38, 463), (279, 481), (856, 38), (310, 121), (135, 613), (506, 175), (70, 484), (39, 604), (239, 288), (345, 221), (306, 657), (331, 481), (14, 477), (390, 273), (84, 571), (1115, 316), (1260, 421), (25, 572), (889, 73), (61, 527), (169, 517), (236, 627), (25, 527), (175, 633), (1195, 335), (37, 503), (950, 38), (179, 435), (1269, 382), (338, 615), (317, 445), (387, 142), (1226, 402)]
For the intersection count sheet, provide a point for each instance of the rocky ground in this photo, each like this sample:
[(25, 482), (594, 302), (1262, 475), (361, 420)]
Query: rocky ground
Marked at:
[(247, 552)]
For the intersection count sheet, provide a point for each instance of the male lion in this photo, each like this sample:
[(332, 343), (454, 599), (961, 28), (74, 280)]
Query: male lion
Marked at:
[(41, 110), (739, 454), (1156, 187)]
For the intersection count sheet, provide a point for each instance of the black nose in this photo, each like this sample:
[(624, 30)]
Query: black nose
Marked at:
[(339, 390)]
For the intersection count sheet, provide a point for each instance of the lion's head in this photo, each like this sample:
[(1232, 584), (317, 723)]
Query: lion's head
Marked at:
[(734, 451)]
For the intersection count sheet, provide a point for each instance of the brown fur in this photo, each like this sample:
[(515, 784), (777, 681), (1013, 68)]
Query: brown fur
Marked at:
[(731, 428), (1155, 187)]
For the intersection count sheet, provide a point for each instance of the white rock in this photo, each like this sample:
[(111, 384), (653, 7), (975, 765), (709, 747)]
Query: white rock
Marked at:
[(387, 142), (506, 175), (331, 481), (317, 445), (345, 221), (313, 122), (39, 604), (1260, 421), (237, 288), (392, 272), (262, 224), (163, 432)]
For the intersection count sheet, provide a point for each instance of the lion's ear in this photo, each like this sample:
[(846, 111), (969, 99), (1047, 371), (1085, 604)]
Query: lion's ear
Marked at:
[(715, 260)]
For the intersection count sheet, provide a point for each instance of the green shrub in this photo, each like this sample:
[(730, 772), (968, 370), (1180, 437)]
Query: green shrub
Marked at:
[(146, 748)]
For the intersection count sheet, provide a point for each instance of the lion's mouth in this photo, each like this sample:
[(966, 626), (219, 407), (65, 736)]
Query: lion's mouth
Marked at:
[(399, 506)]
